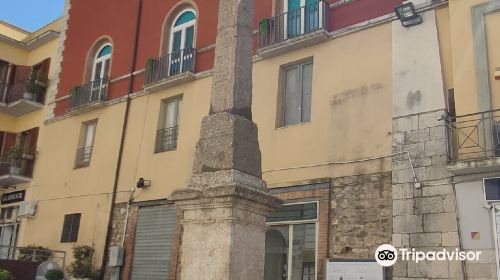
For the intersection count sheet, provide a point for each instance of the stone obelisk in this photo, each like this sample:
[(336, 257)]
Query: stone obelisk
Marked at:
[(226, 203)]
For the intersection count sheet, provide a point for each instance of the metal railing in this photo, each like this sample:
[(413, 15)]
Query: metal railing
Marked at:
[(170, 65), (20, 167), (294, 23), (473, 136), (83, 156), (32, 254), (89, 93), (166, 139), (28, 89)]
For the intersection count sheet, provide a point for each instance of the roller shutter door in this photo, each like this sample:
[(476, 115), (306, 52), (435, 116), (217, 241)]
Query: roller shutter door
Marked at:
[(153, 243)]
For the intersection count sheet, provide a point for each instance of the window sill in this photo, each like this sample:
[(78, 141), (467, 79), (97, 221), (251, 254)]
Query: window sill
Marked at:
[(81, 166), (293, 125)]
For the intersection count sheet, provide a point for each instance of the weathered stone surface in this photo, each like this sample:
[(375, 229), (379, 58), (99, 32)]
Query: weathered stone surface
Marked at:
[(426, 205), (408, 224), (227, 142), (231, 221), (450, 239), (232, 72), (362, 207), (403, 207), (428, 269), (442, 222), (437, 190), (425, 239)]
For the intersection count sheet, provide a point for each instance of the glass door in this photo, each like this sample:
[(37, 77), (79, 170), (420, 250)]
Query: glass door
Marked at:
[(181, 43)]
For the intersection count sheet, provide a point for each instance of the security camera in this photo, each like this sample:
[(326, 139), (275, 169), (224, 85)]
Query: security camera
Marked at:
[(141, 183)]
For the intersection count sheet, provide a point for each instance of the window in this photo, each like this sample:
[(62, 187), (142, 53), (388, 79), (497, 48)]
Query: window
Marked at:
[(291, 243), (70, 228), (85, 147), (102, 62), (296, 93), (8, 231), (166, 136), (302, 16), (182, 42)]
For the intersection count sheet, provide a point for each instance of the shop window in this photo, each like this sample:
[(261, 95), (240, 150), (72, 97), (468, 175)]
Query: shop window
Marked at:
[(291, 242)]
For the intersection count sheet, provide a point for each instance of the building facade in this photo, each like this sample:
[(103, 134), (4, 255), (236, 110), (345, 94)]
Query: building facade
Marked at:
[(362, 123), (26, 76)]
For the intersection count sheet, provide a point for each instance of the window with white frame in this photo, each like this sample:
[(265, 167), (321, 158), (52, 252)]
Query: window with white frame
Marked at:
[(166, 136), (291, 242), (296, 93), (181, 42), (86, 143), (102, 60), (8, 231)]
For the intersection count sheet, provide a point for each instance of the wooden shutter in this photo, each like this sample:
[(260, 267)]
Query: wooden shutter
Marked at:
[(44, 74), (71, 227), (66, 229), (10, 140), (20, 73), (75, 227), (33, 140)]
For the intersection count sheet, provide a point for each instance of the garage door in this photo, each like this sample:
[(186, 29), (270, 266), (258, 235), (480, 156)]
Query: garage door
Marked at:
[(153, 243)]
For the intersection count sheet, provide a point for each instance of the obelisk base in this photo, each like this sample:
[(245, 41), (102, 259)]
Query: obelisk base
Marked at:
[(223, 234)]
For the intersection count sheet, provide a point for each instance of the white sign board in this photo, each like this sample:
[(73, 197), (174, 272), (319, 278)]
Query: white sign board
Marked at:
[(354, 271)]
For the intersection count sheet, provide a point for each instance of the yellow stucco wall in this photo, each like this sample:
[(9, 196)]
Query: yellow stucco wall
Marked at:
[(463, 60), (12, 31)]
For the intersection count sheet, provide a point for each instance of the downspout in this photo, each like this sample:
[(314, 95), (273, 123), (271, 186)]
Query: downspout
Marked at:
[(122, 140)]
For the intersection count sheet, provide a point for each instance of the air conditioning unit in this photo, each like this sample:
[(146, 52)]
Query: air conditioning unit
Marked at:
[(27, 209), (491, 188)]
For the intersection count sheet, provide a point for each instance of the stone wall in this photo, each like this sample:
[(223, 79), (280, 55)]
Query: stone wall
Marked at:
[(361, 215), (424, 218)]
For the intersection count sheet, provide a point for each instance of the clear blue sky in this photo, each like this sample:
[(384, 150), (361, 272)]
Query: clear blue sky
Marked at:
[(30, 14)]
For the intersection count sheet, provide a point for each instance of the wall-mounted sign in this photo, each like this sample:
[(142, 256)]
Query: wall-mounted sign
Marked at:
[(354, 270), (13, 197)]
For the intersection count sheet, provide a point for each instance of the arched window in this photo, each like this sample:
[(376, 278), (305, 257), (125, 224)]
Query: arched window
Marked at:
[(182, 31), (102, 60), (181, 43)]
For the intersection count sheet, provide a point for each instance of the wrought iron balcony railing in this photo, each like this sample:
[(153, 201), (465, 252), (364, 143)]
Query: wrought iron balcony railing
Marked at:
[(166, 139), (294, 23), (32, 254), (473, 136), (28, 89), (174, 63), (89, 93), (83, 156), (17, 167)]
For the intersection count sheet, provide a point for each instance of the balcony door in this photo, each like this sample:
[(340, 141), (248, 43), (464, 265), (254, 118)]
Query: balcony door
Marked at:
[(302, 16), (182, 42), (100, 72)]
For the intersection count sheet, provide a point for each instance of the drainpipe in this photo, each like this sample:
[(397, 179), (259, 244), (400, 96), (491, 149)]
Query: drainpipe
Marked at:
[(133, 60)]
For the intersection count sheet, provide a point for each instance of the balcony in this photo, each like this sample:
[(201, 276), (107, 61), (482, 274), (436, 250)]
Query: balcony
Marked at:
[(474, 142), (305, 26), (16, 171), (166, 139), (83, 156), (22, 97), (88, 97), (172, 69)]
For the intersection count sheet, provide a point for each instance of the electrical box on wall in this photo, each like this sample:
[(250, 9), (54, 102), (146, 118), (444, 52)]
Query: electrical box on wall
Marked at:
[(115, 256), (27, 209)]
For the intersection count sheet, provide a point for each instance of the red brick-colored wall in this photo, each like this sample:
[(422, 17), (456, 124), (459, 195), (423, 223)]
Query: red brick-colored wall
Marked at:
[(92, 20)]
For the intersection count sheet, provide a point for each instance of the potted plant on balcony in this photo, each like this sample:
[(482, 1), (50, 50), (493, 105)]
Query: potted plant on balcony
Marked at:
[(14, 154)]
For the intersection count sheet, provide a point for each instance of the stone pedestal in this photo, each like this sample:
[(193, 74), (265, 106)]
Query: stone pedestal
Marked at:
[(223, 226)]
